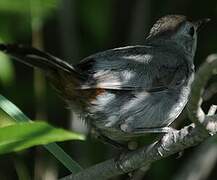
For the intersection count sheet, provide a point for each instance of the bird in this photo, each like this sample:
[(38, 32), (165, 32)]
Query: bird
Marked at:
[(130, 91)]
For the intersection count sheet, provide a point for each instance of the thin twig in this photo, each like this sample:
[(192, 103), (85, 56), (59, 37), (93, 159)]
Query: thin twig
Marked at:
[(212, 110), (204, 73)]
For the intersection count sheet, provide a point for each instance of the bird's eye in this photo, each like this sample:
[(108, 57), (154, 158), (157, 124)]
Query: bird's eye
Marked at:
[(191, 31)]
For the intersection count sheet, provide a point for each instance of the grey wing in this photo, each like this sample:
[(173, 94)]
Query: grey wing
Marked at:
[(139, 83), (130, 68)]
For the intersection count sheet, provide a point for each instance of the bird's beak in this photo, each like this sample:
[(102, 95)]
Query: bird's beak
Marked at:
[(200, 23)]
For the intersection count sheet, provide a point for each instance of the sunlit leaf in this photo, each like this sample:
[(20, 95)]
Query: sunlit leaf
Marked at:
[(24, 135), (13, 111), (5, 119)]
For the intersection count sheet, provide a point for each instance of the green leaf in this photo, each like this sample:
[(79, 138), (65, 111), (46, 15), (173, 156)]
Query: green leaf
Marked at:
[(12, 114), (64, 158), (20, 136), (13, 111), (6, 70), (5, 119)]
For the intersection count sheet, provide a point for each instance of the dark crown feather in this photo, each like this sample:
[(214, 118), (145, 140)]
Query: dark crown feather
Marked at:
[(166, 24)]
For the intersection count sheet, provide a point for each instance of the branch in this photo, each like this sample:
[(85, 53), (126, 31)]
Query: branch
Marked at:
[(202, 161), (171, 143), (204, 73)]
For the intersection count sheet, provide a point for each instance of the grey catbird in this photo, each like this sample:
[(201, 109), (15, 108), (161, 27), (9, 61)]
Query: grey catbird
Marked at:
[(128, 91)]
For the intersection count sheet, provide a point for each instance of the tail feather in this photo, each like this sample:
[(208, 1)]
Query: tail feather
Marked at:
[(64, 78), (36, 58)]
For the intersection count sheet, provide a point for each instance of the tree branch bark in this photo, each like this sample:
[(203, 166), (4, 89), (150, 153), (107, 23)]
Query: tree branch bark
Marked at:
[(204, 73), (171, 143)]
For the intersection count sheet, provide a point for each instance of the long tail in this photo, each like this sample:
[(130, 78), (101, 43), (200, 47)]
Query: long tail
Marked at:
[(62, 75), (36, 58)]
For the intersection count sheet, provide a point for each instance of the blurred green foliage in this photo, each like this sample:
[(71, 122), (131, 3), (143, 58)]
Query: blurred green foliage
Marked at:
[(22, 7), (97, 19), (23, 12), (6, 70)]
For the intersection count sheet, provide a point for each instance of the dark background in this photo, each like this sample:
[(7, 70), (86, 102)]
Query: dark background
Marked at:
[(72, 30)]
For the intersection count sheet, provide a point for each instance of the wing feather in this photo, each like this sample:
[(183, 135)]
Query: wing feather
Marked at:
[(132, 68)]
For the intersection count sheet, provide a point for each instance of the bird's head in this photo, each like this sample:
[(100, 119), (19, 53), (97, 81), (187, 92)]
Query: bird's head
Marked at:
[(176, 28)]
